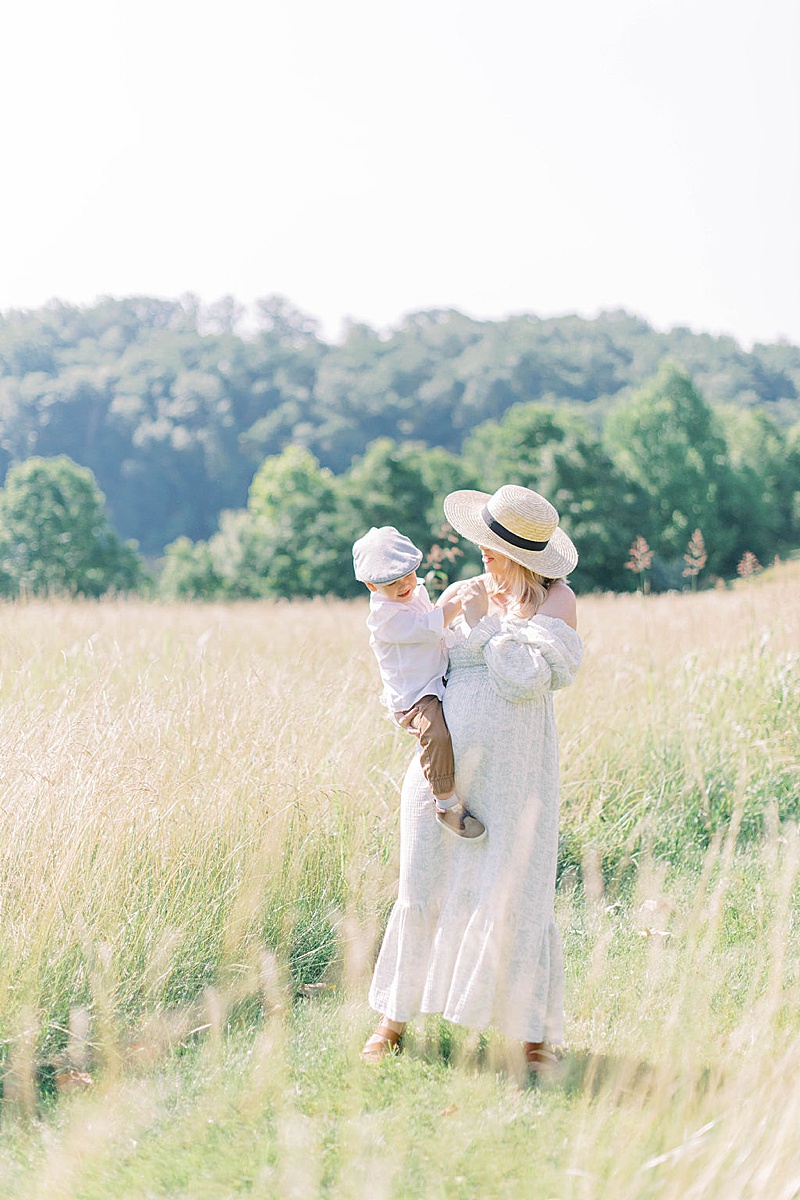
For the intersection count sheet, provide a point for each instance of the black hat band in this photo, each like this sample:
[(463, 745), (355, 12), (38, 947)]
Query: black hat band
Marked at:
[(513, 539)]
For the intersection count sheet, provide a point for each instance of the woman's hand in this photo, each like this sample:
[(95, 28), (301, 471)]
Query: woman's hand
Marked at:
[(451, 592), (474, 601)]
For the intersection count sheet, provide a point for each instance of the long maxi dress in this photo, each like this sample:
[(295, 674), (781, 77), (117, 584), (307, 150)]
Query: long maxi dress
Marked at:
[(473, 934)]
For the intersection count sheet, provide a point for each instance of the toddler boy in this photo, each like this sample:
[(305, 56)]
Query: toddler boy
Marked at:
[(407, 637)]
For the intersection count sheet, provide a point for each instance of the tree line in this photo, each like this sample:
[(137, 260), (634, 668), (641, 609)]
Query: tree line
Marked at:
[(665, 466), (173, 405), (670, 485)]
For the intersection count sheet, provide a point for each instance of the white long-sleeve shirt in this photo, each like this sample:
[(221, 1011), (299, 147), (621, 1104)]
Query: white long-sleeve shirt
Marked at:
[(408, 640)]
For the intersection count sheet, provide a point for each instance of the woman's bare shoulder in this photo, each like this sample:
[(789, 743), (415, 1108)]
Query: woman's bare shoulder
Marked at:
[(560, 602)]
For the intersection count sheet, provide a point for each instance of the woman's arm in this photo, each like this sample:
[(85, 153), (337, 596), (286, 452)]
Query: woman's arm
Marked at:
[(527, 658), (560, 602)]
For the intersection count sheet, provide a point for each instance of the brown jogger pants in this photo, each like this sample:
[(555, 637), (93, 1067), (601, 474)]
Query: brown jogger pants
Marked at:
[(426, 719)]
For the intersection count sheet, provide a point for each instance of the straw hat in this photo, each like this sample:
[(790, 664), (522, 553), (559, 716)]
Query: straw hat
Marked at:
[(517, 522)]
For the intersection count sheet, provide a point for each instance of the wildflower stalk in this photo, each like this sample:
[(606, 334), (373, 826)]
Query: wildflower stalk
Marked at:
[(641, 557), (695, 557), (748, 565)]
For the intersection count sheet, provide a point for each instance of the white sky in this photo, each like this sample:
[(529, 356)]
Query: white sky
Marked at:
[(368, 158)]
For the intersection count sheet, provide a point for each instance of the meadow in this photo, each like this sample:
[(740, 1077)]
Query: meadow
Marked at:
[(199, 849)]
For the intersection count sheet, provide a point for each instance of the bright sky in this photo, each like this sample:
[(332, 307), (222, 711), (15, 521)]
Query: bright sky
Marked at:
[(367, 158)]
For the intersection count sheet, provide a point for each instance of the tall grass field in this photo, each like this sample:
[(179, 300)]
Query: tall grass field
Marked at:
[(199, 850)]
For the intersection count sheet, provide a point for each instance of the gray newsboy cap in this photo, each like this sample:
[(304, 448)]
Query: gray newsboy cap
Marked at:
[(384, 555)]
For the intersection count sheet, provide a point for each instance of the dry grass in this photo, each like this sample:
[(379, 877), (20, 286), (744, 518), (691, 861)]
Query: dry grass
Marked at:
[(685, 704), (200, 824)]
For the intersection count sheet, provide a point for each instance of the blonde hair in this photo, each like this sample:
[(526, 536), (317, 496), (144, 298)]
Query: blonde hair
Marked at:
[(525, 589)]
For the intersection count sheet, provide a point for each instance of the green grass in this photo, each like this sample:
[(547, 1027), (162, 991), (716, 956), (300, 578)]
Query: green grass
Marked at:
[(199, 851)]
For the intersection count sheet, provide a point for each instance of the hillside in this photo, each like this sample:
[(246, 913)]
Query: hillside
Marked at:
[(173, 407)]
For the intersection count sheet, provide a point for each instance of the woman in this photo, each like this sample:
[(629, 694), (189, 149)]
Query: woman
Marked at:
[(472, 934)]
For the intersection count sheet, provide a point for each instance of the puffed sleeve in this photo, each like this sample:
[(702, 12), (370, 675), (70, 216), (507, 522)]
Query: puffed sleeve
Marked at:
[(527, 658)]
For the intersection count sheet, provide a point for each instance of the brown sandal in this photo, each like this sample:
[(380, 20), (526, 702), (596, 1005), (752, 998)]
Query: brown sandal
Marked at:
[(540, 1061), (382, 1042)]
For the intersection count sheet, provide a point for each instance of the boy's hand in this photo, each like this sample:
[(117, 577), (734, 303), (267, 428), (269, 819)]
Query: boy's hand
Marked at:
[(450, 609)]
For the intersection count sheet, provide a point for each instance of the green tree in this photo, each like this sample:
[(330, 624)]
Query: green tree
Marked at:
[(234, 564), (793, 470), (295, 537), (174, 404), (55, 537), (386, 486), (403, 485), (556, 452), (766, 476), (667, 440), (189, 572), (294, 505), (442, 472), (242, 551)]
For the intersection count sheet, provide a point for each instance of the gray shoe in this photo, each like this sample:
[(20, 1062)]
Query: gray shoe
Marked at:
[(461, 823)]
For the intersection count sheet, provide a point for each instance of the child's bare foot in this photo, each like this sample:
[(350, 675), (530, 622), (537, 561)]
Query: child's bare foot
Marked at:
[(461, 823)]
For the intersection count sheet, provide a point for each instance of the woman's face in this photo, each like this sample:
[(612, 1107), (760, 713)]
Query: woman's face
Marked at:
[(495, 563)]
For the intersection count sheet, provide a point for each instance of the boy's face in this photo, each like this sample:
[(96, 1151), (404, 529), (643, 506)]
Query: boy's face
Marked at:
[(400, 590)]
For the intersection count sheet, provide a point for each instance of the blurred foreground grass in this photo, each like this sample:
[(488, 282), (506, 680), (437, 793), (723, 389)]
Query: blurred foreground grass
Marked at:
[(199, 849)]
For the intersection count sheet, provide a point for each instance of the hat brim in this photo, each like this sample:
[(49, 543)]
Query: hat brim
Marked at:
[(463, 510)]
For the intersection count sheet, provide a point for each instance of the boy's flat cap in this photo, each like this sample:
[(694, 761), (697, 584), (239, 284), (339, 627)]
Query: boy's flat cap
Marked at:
[(384, 555)]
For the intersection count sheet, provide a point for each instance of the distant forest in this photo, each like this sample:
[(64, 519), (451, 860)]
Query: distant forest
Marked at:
[(175, 407)]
